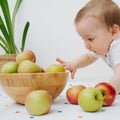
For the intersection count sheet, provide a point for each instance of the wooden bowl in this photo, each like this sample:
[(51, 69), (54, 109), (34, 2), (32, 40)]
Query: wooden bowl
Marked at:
[(18, 86)]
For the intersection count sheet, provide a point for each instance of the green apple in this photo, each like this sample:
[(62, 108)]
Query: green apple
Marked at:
[(9, 67), (90, 99), (55, 68), (38, 102), (28, 66)]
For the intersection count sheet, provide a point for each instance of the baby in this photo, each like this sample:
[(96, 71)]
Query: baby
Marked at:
[(98, 23)]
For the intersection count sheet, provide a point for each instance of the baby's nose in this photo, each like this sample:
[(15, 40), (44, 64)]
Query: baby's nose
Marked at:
[(88, 46)]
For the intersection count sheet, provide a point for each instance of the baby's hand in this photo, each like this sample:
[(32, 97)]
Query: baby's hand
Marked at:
[(67, 66), (62, 62)]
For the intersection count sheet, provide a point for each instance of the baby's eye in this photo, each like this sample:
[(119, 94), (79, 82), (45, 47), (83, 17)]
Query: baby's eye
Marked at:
[(90, 39)]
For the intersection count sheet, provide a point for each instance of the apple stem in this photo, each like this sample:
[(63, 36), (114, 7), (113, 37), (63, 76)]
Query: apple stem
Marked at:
[(98, 98)]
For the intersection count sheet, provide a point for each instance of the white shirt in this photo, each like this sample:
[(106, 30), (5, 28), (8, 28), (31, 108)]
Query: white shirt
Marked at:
[(112, 57)]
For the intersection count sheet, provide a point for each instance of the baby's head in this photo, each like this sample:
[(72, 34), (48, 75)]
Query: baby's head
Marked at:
[(98, 23), (106, 11)]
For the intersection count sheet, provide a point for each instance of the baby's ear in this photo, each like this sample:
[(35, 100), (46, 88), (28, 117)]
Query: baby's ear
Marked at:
[(115, 29)]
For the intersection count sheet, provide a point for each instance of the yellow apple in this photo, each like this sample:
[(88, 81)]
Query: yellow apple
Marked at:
[(55, 68), (25, 55), (28, 66), (38, 102)]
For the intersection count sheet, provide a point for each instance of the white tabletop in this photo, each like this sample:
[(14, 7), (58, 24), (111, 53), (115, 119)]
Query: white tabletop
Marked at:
[(61, 109)]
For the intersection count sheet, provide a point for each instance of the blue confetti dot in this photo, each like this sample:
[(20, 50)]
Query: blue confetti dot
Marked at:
[(66, 103), (102, 110), (71, 85), (59, 111), (31, 117)]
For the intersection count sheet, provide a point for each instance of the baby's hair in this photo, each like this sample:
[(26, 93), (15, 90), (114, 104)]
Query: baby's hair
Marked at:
[(107, 11)]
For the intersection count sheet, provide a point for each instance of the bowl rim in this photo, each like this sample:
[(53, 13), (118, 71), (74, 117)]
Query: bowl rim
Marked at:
[(12, 74)]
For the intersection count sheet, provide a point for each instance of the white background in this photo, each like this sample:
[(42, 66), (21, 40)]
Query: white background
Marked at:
[(52, 33)]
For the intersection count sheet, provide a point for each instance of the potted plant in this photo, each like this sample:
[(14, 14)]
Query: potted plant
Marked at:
[(7, 31)]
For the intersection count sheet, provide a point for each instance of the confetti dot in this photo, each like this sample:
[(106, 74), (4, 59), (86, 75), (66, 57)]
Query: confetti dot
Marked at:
[(80, 116), (70, 85), (66, 103), (31, 117), (102, 110), (17, 112), (59, 111), (6, 105)]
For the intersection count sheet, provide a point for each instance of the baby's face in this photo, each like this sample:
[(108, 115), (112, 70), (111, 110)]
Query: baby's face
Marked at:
[(96, 36)]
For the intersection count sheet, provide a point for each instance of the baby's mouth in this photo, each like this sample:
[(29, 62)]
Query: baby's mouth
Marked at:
[(95, 52)]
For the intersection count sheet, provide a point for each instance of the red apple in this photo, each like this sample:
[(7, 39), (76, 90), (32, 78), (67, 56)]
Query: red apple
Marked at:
[(42, 70), (73, 92), (108, 92), (25, 55)]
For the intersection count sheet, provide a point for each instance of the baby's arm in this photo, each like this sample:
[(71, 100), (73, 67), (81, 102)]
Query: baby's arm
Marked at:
[(115, 80), (82, 61)]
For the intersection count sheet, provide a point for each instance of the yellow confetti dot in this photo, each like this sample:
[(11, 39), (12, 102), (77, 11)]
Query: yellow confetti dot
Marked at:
[(6, 105), (80, 116)]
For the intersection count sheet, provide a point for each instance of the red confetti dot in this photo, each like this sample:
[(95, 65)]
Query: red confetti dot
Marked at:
[(17, 111)]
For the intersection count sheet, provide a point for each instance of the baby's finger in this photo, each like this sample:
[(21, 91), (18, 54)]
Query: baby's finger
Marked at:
[(60, 60), (73, 74), (66, 68)]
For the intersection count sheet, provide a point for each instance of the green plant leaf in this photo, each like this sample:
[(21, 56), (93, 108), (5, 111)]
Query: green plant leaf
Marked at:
[(17, 5), (4, 48), (6, 12), (3, 41), (7, 25), (4, 44), (24, 35), (4, 30), (9, 28)]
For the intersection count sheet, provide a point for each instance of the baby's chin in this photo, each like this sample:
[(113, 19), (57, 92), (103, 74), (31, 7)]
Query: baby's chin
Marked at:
[(99, 53)]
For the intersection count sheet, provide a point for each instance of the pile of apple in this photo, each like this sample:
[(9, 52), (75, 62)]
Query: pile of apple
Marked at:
[(38, 102), (91, 99), (25, 63)]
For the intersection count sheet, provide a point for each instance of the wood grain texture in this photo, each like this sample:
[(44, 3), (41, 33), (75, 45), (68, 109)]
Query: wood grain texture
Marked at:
[(17, 85)]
